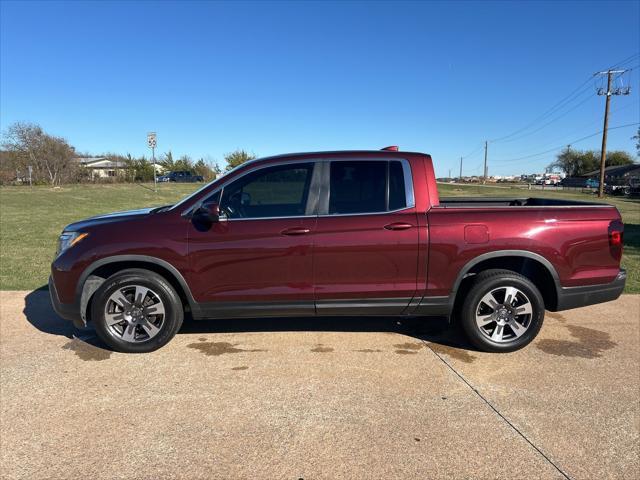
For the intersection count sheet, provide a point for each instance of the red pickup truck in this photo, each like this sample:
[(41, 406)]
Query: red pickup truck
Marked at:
[(337, 233)]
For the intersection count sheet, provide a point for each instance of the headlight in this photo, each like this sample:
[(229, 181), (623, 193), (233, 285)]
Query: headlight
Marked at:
[(68, 240)]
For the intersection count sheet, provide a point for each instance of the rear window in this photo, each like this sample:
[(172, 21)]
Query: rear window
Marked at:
[(361, 187), (357, 187)]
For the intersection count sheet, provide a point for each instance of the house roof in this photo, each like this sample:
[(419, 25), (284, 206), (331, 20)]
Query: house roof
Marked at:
[(99, 162), (631, 170), (87, 160)]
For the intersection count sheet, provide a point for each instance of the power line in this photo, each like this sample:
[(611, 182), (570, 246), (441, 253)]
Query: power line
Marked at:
[(576, 131), (568, 99), (626, 60), (473, 152), (564, 145), (555, 119), (556, 108), (580, 89)]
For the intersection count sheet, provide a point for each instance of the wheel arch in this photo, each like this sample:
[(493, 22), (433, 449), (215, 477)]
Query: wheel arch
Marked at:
[(529, 264), (97, 273)]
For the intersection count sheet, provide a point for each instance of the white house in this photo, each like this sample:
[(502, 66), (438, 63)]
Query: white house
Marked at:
[(102, 167)]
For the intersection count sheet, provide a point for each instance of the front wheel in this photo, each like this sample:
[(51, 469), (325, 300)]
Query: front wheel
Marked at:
[(136, 311), (502, 312)]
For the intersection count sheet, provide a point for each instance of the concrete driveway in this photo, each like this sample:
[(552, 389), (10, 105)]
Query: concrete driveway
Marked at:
[(320, 398)]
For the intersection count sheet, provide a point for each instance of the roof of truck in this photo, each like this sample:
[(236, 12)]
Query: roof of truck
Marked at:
[(354, 154)]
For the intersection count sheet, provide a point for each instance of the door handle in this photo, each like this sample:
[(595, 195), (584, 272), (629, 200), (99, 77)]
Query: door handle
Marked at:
[(398, 226), (295, 231)]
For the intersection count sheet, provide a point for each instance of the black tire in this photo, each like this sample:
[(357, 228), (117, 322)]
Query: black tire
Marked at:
[(161, 291), (492, 281)]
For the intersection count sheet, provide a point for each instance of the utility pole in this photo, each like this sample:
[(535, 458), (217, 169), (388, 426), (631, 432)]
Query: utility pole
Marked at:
[(607, 93), (449, 174), (460, 177), (484, 180)]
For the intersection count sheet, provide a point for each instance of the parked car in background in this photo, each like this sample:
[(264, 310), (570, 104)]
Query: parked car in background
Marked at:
[(623, 186), (337, 233), (183, 176), (617, 189), (552, 179), (592, 183), (634, 187), (573, 182)]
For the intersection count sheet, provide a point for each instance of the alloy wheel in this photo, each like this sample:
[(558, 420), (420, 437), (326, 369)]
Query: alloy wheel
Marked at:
[(134, 313), (504, 314)]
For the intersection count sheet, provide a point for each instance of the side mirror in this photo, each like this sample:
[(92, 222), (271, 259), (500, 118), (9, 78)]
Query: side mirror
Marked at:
[(208, 212)]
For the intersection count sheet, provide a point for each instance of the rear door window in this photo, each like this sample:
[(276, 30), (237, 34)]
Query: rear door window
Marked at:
[(366, 187), (397, 192), (357, 187)]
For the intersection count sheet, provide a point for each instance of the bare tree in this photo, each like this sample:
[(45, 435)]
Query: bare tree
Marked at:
[(51, 157)]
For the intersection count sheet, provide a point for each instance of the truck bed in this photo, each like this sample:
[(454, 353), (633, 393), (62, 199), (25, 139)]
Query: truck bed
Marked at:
[(485, 202)]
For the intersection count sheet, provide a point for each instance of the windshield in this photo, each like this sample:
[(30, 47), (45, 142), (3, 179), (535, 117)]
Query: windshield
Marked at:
[(204, 187)]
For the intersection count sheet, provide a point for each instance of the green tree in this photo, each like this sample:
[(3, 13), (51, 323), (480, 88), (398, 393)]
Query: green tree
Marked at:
[(576, 163), (167, 162), (184, 163), (618, 157), (237, 157), (208, 169), (201, 168), (636, 137), (138, 169)]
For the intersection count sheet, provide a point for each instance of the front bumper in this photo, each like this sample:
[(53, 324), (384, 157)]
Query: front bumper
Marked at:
[(574, 297), (68, 311)]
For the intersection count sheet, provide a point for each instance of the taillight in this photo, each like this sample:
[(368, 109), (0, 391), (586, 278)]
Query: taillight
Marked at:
[(616, 237)]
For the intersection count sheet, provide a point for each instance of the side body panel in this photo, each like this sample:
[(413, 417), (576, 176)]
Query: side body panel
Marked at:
[(355, 257), (362, 264), (252, 261), (574, 240), (162, 236)]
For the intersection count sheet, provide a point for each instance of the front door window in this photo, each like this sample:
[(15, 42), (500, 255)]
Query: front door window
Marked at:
[(273, 192)]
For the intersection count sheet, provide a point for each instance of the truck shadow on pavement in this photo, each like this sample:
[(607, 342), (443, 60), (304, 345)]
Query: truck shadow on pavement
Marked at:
[(436, 330), (39, 312)]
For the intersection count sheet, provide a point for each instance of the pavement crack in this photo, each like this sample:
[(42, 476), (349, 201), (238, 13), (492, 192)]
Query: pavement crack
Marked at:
[(497, 412)]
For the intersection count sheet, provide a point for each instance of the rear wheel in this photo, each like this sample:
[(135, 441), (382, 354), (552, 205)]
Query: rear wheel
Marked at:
[(502, 312), (136, 311)]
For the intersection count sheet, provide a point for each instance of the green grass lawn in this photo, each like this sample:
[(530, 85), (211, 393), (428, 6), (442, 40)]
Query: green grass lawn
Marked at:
[(32, 218)]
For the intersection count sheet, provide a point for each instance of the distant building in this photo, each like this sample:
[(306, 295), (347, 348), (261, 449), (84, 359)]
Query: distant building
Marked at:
[(617, 174), (101, 167)]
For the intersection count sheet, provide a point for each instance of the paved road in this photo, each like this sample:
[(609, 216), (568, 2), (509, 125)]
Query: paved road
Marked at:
[(325, 398)]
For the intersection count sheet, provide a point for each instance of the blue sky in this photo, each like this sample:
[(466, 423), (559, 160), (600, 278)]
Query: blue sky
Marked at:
[(210, 77)]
